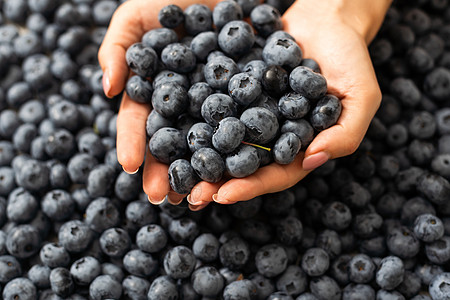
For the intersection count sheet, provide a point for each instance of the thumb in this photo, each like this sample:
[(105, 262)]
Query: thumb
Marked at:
[(344, 138), (124, 30)]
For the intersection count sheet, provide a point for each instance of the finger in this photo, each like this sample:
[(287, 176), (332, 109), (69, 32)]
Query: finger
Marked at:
[(155, 180), (269, 179), (125, 29), (203, 192), (131, 133)]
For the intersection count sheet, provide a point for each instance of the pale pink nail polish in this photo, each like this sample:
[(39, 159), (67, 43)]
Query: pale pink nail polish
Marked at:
[(130, 172), (314, 161), (106, 83)]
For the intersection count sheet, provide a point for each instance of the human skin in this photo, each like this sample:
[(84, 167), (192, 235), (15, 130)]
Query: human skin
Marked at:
[(335, 33)]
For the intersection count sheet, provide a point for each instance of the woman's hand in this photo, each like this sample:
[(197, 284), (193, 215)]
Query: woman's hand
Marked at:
[(328, 32)]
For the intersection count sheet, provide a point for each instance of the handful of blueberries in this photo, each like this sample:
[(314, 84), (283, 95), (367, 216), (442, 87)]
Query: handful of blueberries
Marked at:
[(226, 100), (74, 225)]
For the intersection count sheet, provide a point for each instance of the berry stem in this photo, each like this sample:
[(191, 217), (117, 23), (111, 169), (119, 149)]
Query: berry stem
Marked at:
[(259, 146)]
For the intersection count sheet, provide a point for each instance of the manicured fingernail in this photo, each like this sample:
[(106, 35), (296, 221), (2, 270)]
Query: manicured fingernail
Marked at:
[(214, 197), (314, 161), (106, 82), (172, 201), (156, 202), (130, 172), (195, 196), (191, 201)]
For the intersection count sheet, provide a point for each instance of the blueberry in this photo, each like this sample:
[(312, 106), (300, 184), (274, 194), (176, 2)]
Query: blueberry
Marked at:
[(142, 60), (101, 214), (236, 38), (243, 162), (200, 136), (85, 270), (442, 123), (206, 247), (159, 38), (358, 291), (293, 281), (286, 148), (167, 145), (275, 80), (178, 57), (151, 238), (61, 282), (225, 12), (155, 121), (241, 289), (112, 270), (428, 228), (166, 76), (438, 286), (171, 16), (126, 187), (135, 287), (325, 287), (139, 213), (140, 263), (329, 241), (390, 273), (203, 43), (105, 287), (255, 68), (326, 112), (11, 268), (283, 52), (436, 188), (265, 286), (163, 287), (315, 262), (302, 128), (271, 260), (53, 256), (410, 285), (182, 176), (19, 288), (290, 231), (9, 122), (438, 252), (58, 205), (218, 72), (266, 19), (234, 254), (406, 91), (197, 93), (22, 206), (115, 242), (40, 276), (207, 281), (75, 236), (208, 164), (402, 242), (169, 99), (183, 231), (23, 241), (139, 89), (367, 225), (197, 18), (60, 144), (244, 88)]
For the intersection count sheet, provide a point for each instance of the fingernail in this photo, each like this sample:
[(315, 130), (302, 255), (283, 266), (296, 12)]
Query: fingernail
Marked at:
[(106, 82), (195, 196), (156, 202), (173, 202), (191, 201), (128, 172), (214, 197), (314, 161)]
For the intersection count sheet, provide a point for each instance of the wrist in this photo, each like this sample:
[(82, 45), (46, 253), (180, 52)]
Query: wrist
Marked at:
[(364, 17)]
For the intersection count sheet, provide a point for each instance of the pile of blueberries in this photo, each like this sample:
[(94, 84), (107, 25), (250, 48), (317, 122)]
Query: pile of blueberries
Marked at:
[(226, 100), (74, 225)]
